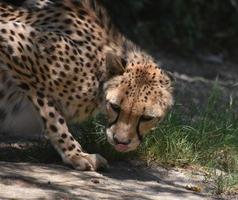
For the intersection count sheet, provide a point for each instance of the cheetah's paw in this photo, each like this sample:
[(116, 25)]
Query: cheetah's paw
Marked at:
[(88, 162)]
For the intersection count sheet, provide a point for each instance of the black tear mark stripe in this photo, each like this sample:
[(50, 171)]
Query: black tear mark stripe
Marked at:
[(115, 121), (138, 131)]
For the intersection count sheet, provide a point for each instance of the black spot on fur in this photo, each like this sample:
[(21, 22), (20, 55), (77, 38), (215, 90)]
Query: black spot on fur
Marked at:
[(61, 141), (71, 147), (53, 128), (40, 102), (61, 121)]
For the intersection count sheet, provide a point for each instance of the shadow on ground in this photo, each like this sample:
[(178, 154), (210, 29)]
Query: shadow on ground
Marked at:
[(121, 181)]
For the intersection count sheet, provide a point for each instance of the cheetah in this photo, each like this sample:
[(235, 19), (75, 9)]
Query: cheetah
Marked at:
[(70, 61)]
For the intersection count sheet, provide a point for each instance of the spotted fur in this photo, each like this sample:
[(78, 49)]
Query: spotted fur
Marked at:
[(69, 60)]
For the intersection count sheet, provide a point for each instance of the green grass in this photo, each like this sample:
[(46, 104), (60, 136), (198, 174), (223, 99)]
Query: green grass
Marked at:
[(207, 137), (210, 139)]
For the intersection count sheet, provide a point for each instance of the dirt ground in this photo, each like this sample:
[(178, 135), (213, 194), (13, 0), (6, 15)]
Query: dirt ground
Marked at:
[(122, 180)]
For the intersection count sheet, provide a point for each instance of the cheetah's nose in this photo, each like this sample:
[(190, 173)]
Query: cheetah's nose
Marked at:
[(117, 141)]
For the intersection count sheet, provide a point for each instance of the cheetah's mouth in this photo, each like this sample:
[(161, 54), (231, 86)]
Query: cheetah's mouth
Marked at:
[(121, 147), (118, 147)]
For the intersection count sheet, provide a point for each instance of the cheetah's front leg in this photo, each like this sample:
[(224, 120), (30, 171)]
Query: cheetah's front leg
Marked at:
[(59, 135)]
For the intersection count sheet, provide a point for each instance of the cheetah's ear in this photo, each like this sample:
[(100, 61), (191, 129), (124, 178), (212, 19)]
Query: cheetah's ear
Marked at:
[(169, 79), (115, 65), (170, 75)]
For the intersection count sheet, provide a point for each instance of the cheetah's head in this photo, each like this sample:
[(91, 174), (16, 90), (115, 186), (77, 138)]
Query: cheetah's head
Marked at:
[(137, 97)]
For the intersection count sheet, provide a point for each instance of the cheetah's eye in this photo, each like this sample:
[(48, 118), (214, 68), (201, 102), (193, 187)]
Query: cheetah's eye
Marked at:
[(146, 118), (115, 107)]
